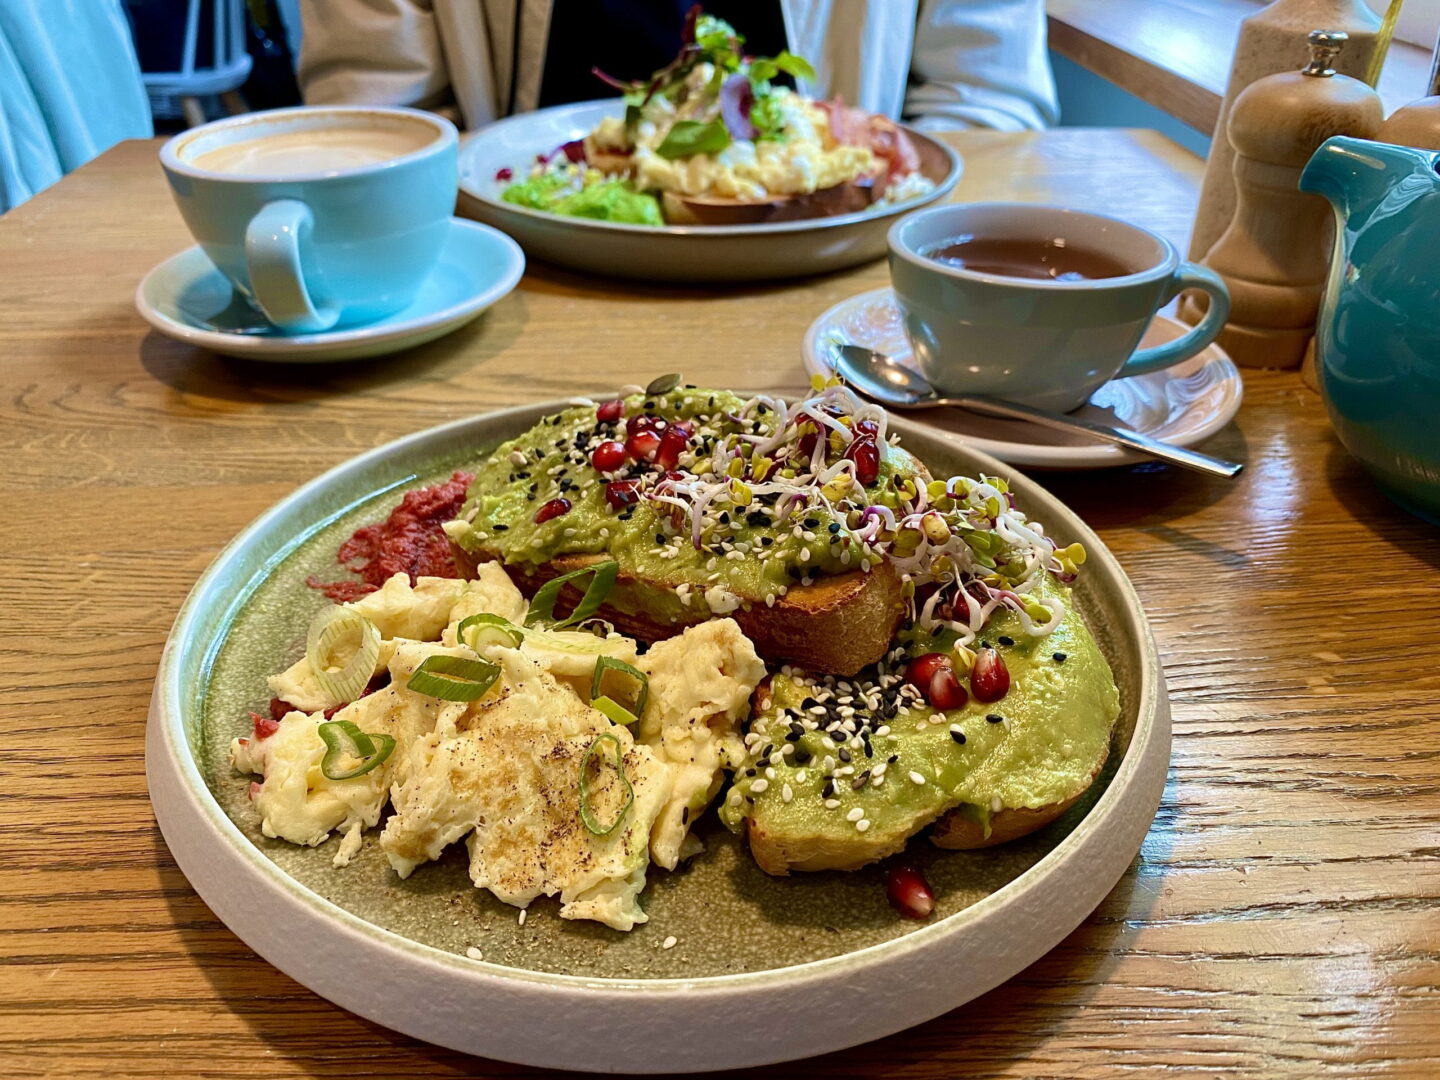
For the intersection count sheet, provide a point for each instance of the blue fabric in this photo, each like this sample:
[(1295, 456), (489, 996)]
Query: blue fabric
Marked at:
[(69, 89)]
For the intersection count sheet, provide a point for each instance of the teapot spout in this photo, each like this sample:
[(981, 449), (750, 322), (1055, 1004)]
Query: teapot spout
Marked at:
[(1355, 174)]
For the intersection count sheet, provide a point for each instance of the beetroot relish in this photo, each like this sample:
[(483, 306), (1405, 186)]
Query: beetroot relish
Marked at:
[(410, 540)]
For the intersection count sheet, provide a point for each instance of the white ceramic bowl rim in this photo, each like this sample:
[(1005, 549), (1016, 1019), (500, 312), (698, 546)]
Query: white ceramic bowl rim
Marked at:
[(952, 177), (169, 708), (1167, 258), (171, 154)]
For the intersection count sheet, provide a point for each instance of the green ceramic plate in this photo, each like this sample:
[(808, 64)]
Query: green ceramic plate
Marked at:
[(372, 942)]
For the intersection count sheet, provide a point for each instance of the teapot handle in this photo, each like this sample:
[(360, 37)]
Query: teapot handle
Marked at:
[(1187, 275)]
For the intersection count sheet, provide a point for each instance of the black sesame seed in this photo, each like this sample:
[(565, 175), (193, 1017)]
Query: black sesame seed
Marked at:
[(801, 755), (834, 526), (1005, 640), (685, 815), (749, 772), (844, 754), (757, 520), (828, 791), (659, 538), (839, 736), (994, 718), (499, 528), (766, 541), (860, 781), (812, 523), (1058, 657), (958, 736), (892, 759)]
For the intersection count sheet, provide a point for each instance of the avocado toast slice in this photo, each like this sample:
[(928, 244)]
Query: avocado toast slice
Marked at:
[(841, 772), (712, 505)]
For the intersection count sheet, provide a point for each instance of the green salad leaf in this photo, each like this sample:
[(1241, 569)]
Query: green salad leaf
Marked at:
[(690, 137)]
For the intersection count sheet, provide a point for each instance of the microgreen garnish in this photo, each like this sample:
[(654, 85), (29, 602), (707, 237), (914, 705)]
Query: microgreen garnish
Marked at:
[(594, 750), (343, 739)]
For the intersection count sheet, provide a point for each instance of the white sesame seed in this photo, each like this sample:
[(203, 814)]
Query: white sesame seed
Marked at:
[(786, 793), (855, 814), (759, 786), (883, 729), (474, 954), (801, 776), (831, 804), (880, 769), (862, 824), (770, 774), (916, 778), (669, 942), (955, 729), (996, 805), (517, 457), (522, 916)]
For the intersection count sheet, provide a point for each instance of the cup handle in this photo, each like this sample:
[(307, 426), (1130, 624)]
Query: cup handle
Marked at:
[(1187, 276), (272, 254)]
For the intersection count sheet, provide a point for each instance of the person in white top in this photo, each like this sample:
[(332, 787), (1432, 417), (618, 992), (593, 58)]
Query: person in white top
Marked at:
[(937, 63)]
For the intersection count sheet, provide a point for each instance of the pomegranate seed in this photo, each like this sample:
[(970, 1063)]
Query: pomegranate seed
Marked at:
[(644, 422), (809, 435), (608, 456), (922, 669), (504, 173), (622, 493), (866, 456), (672, 444), (642, 445), (574, 151), (909, 892), (610, 411), (945, 691), (265, 726), (867, 427), (989, 678), (552, 509)]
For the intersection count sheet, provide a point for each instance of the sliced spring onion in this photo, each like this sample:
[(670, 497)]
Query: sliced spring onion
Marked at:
[(343, 739), (454, 678), (602, 580), (486, 629), (341, 646), (664, 384), (614, 710), (587, 817), (639, 683)]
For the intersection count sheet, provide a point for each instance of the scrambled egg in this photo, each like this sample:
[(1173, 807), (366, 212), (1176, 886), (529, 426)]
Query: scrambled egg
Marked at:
[(807, 160), (503, 772)]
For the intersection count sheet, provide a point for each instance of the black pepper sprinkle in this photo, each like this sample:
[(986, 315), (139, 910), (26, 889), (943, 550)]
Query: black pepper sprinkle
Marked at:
[(958, 736), (1058, 657), (994, 718), (1006, 640), (685, 815)]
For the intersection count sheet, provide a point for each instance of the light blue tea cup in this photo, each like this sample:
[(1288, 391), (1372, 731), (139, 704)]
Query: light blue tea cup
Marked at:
[(345, 229), (1046, 343)]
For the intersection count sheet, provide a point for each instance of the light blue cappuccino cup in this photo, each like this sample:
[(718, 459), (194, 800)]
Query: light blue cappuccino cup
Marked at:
[(347, 226), (1050, 344)]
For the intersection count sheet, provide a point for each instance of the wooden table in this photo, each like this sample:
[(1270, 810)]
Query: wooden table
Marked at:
[(1283, 918)]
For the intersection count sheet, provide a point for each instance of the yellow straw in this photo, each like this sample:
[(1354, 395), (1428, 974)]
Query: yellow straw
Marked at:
[(1382, 42)]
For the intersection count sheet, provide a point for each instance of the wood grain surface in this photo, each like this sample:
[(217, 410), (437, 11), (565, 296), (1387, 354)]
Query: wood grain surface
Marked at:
[(1283, 919), (1176, 54)]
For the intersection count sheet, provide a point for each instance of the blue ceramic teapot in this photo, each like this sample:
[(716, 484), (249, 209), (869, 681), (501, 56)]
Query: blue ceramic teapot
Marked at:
[(1378, 339)]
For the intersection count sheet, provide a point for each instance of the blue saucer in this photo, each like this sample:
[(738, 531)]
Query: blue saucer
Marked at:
[(187, 299)]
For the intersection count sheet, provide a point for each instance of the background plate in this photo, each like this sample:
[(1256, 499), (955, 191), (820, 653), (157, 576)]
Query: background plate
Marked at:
[(674, 252), (568, 995)]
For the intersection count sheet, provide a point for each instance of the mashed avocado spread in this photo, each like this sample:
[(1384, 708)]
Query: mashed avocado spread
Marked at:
[(701, 500), (832, 754)]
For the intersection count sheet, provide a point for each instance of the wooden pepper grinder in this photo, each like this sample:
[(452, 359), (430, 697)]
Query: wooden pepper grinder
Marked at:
[(1276, 252), (1271, 41)]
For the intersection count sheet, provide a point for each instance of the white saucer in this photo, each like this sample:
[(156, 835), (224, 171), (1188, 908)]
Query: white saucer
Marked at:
[(186, 298), (1183, 405)]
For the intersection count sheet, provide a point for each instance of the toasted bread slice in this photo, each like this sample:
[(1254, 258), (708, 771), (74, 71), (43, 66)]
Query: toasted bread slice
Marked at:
[(839, 624), (959, 831), (847, 198)]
